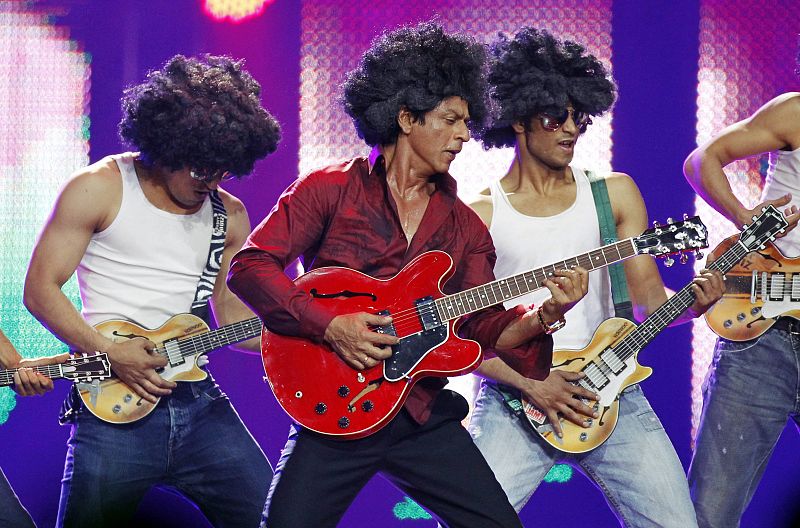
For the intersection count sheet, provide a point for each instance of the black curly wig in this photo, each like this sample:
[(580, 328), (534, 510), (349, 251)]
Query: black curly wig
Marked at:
[(199, 113), (533, 73), (415, 68)]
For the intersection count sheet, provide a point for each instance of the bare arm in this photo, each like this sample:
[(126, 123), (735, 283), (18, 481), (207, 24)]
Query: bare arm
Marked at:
[(87, 203), (646, 288), (228, 308), (772, 127)]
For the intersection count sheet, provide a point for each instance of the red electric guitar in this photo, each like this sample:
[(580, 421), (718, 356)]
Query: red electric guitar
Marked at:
[(322, 393)]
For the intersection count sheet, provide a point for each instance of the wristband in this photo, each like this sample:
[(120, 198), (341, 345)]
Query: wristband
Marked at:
[(552, 327)]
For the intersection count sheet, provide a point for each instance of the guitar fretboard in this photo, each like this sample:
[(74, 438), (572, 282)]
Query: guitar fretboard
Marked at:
[(675, 306), (468, 301), (208, 341), (51, 371)]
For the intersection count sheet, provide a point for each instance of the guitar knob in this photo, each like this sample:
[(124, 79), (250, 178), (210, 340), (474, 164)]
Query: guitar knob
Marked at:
[(343, 391), (367, 406), (584, 437), (669, 261), (344, 422), (728, 323), (320, 408), (755, 310), (116, 409), (740, 317), (684, 258)]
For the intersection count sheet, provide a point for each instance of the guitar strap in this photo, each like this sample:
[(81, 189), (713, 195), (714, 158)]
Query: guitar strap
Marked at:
[(608, 233), (623, 307), (205, 286)]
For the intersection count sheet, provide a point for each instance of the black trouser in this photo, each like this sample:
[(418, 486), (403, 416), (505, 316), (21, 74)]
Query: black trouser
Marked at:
[(436, 464)]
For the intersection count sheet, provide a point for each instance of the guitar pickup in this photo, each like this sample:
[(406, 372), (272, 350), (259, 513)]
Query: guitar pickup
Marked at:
[(428, 315), (174, 355)]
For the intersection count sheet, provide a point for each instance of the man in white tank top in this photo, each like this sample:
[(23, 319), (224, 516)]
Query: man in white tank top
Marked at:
[(137, 227), (752, 386), (637, 468)]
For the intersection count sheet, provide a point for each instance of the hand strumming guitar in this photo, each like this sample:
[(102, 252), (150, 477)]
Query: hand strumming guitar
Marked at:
[(352, 337), (134, 363)]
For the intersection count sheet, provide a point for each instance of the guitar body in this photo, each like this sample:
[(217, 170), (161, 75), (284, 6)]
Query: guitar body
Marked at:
[(113, 401), (578, 439), (734, 316), (322, 393)]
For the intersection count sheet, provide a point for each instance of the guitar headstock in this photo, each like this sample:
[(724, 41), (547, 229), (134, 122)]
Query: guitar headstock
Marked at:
[(764, 228), (87, 368), (683, 237)]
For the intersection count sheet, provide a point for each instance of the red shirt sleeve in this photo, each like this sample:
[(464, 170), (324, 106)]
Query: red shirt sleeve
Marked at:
[(486, 325), (292, 228)]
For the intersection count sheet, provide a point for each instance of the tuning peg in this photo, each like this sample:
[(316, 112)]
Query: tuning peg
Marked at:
[(656, 224), (685, 216), (698, 254), (669, 261), (684, 258), (669, 219)]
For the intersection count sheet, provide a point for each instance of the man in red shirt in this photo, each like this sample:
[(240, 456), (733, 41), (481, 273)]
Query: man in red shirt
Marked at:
[(413, 99)]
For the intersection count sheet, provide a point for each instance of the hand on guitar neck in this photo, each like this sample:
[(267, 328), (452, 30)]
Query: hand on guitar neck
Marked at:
[(28, 382), (353, 338), (135, 364)]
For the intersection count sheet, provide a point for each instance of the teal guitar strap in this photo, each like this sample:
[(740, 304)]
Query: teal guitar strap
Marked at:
[(608, 233)]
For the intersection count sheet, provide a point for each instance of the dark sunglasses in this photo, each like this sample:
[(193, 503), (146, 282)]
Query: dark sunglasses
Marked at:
[(208, 176), (552, 122)]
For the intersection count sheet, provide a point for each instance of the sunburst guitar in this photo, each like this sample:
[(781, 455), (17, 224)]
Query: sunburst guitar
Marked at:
[(610, 360), (181, 340), (765, 285), (322, 393)]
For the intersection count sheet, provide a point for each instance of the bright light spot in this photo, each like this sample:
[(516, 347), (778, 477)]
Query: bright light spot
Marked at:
[(559, 474), (409, 510), (235, 10)]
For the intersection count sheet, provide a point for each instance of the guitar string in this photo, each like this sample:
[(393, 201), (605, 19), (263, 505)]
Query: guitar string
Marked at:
[(495, 292), (664, 315)]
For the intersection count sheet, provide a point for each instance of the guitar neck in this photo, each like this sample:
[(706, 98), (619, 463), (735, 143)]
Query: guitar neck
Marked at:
[(51, 371), (675, 306), (208, 341), (468, 301)]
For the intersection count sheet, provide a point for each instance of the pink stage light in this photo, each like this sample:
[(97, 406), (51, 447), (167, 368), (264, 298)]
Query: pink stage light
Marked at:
[(235, 11)]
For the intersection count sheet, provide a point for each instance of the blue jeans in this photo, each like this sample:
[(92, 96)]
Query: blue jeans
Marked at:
[(637, 468), (12, 513), (193, 442), (750, 391)]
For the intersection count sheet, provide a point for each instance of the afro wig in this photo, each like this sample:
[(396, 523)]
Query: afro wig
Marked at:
[(415, 68), (199, 113), (533, 73)]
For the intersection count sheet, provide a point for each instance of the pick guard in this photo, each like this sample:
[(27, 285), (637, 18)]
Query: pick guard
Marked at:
[(411, 351)]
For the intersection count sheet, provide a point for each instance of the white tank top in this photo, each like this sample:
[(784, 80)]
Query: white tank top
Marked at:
[(145, 266), (526, 242), (783, 176)]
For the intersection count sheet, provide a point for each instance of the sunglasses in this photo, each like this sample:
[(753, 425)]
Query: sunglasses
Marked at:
[(208, 176), (552, 122)]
